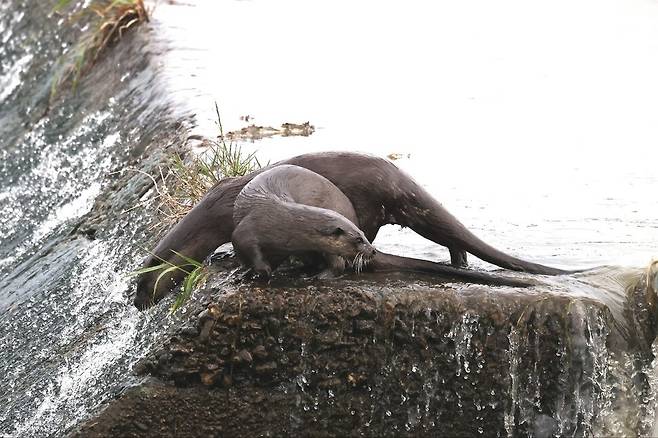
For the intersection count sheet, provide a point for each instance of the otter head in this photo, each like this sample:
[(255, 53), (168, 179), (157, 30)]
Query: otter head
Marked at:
[(153, 286), (343, 238)]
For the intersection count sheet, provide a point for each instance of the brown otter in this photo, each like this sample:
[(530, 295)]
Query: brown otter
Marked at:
[(380, 194), (289, 210)]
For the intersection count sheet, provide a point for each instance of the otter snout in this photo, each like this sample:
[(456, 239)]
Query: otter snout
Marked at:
[(147, 294), (141, 303), (144, 294), (368, 251)]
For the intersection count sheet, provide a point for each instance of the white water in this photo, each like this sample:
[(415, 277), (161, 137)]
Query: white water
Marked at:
[(68, 331), (534, 123)]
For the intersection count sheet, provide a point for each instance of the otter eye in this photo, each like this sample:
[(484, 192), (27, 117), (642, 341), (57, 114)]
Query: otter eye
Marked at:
[(338, 231), (359, 240)]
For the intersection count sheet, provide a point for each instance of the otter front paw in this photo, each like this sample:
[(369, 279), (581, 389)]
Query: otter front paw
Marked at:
[(263, 272)]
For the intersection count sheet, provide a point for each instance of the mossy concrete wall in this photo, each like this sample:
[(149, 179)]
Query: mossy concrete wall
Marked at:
[(366, 358)]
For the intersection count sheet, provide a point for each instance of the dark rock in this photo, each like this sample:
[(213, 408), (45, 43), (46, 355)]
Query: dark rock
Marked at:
[(210, 378), (206, 321), (213, 366), (356, 379), (333, 382), (364, 326), (400, 337), (141, 426), (189, 332), (164, 358), (330, 337), (144, 366), (179, 350), (266, 368), (243, 357), (259, 352), (183, 371), (232, 320)]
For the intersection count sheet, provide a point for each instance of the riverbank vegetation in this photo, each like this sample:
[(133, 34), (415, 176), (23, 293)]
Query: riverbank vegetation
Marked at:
[(104, 22), (188, 178)]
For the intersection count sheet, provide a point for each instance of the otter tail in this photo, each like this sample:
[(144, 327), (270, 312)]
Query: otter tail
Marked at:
[(383, 262), (431, 220)]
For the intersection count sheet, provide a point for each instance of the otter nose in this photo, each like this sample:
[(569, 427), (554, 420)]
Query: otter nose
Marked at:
[(141, 304), (373, 252)]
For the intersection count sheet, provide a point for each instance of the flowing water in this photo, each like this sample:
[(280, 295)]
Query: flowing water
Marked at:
[(68, 333), (535, 125), (538, 132)]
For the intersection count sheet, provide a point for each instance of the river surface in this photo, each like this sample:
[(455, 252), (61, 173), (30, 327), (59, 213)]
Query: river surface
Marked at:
[(535, 124)]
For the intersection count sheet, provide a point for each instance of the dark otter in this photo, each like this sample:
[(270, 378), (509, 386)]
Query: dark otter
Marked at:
[(289, 210), (278, 207), (380, 194)]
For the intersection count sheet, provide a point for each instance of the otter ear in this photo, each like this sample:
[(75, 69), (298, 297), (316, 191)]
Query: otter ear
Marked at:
[(337, 231)]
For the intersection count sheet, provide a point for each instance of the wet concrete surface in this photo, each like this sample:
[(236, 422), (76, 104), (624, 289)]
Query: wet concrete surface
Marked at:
[(367, 356)]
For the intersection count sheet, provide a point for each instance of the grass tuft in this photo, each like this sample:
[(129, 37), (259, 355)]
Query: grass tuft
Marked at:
[(188, 180), (109, 20), (196, 274)]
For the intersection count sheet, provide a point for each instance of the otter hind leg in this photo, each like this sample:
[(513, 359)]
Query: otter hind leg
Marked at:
[(334, 267), (255, 259), (458, 257), (259, 264)]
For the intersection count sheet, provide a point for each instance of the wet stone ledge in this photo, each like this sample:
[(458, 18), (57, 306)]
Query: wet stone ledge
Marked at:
[(362, 358)]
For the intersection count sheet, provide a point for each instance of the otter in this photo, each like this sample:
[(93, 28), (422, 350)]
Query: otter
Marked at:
[(289, 207), (290, 210), (380, 194)]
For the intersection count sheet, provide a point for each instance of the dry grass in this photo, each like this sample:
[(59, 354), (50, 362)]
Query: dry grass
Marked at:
[(109, 20), (188, 180)]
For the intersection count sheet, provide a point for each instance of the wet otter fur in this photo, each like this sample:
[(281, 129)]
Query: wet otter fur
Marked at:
[(289, 210), (380, 194)]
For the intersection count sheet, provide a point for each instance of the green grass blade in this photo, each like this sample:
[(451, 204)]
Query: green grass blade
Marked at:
[(165, 272), (190, 283), (61, 4), (189, 260), (146, 270)]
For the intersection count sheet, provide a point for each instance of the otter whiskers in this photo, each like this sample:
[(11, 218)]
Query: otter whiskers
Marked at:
[(359, 262)]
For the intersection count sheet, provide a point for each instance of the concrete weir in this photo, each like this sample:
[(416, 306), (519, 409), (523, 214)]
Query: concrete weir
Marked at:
[(400, 356)]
